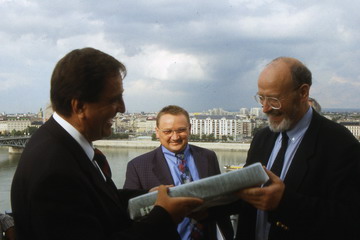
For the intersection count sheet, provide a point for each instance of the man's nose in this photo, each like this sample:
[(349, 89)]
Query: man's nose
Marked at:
[(266, 107), (175, 135), (120, 106)]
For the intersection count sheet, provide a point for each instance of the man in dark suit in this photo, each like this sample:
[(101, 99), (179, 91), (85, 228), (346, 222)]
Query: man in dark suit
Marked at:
[(62, 188), (315, 193), (161, 166)]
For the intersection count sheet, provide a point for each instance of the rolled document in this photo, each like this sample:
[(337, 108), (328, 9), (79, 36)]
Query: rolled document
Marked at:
[(214, 190)]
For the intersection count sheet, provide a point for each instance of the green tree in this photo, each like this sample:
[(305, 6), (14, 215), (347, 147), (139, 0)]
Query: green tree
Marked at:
[(153, 137), (211, 137), (195, 137), (31, 130)]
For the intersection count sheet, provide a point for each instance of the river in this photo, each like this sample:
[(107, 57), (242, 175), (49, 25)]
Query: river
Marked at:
[(117, 157)]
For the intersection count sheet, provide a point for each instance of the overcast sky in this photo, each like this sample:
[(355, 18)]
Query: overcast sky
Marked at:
[(199, 54)]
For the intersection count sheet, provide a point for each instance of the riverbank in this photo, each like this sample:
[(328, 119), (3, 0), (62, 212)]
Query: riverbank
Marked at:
[(243, 147)]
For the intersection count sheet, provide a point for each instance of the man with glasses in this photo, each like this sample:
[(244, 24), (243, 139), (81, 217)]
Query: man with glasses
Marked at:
[(312, 162), (176, 162)]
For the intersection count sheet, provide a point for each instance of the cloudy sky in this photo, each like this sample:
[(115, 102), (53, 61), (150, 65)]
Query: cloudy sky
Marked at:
[(199, 54)]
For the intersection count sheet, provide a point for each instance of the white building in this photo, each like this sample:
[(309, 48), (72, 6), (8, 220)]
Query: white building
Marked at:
[(3, 127), (244, 111), (257, 112), (146, 125), (354, 128), (18, 123), (229, 126)]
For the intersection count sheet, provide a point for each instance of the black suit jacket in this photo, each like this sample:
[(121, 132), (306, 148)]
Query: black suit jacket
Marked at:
[(57, 193), (151, 169), (321, 199)]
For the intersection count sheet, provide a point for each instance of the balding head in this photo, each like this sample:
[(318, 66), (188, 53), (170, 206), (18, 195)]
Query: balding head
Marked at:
[(299, 72), (283, 91)]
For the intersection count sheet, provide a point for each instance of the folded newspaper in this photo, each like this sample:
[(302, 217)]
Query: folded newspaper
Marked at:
[(214, 190)]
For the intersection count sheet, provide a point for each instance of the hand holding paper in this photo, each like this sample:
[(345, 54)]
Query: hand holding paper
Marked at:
[(266, 198), (214, 190), (177, 207)]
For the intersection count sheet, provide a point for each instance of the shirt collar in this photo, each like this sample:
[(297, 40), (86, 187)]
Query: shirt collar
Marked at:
[(85, 145), (301, 127), (169, 153)]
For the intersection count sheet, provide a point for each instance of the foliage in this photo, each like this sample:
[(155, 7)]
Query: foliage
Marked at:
[(153, 137), (118, 136)]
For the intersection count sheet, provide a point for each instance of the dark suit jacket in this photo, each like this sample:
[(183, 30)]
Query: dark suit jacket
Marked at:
[(57, 193), (151, 169), (321, 199)]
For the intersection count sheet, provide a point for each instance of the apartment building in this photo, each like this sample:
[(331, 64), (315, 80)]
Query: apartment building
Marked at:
[(354, 128), (146, 125), (18, 123), (229, 126)]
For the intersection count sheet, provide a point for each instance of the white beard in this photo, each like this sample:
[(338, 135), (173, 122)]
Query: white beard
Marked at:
[(283, 126)]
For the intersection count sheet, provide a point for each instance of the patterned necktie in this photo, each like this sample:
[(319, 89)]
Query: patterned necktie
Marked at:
[(197, 231), (280, 157), (185, 175), (100, 159)]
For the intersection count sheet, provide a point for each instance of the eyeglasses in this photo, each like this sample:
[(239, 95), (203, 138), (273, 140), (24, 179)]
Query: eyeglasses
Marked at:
[(273, 102), (170, 132)]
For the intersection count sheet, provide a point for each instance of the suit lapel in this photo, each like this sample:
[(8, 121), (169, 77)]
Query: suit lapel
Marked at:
[(267, 150), (261, 147), (301, 161), (82, 159), (201, 163), (160, 168)]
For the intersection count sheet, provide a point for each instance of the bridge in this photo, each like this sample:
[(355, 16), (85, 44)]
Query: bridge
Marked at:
[(15, 144)]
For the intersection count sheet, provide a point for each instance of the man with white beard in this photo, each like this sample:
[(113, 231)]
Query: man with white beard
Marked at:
[(312, 162)]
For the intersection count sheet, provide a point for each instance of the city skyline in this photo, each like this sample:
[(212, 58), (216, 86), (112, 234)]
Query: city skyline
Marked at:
[(195, 54), (340, 110)]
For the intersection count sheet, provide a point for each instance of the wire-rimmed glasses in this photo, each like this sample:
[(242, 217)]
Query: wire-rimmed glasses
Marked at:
[(170, 132), (273, 102)]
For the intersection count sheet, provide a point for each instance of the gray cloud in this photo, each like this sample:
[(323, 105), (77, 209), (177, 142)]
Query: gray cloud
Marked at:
[(197, 54)]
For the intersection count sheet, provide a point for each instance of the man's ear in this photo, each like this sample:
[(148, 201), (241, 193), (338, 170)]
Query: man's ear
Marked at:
[(304, 91), (77, 107), (157, 132)]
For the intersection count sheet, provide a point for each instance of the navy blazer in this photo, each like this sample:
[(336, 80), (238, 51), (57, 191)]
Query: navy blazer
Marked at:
[(151, 169), (57, 193), (321, 198)]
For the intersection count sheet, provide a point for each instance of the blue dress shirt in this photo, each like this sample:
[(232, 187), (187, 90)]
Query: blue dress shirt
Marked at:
[(295, 135), (185, 227)]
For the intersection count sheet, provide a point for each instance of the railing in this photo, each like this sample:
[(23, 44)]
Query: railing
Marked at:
[(18, 142)]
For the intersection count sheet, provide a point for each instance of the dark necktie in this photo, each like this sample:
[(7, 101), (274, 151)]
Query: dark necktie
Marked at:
[(100, 159), (279, 160)]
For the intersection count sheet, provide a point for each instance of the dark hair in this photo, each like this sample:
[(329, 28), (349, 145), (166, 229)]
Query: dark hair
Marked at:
[(82, 75), (173, 110), (299, 72)]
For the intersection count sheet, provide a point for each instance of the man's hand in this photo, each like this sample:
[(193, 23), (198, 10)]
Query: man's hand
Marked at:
[(10, 233), (177, 207), (266, 198)]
